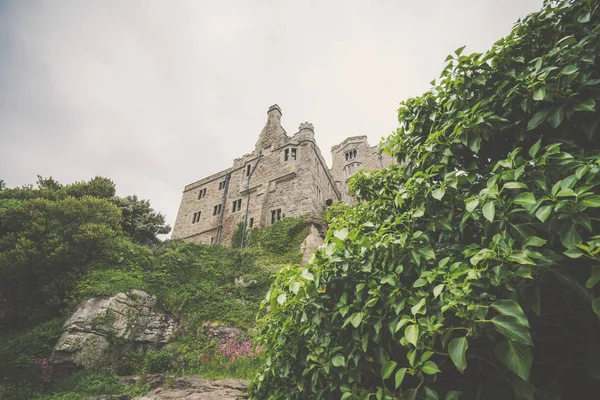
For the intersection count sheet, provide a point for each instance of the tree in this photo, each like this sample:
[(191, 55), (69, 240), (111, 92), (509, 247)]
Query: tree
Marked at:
[(140, 221), (470, 268)]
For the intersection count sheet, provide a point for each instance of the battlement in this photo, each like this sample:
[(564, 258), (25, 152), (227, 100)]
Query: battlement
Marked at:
[(306, 126)]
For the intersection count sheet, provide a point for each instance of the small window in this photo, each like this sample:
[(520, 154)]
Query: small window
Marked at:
[(275, 215), (289, 154), (217, 209), (221, 185), (318, 192), (196, 217), (237, 205), (202, 194), (350, 155), (248, 169), (212, 240), (251, 224), (351, 169)]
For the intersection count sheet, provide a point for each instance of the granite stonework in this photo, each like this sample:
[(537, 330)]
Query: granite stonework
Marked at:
[(283, 176)]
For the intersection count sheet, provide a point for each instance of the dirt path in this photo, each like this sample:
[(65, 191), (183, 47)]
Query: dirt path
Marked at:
[(196, 388)]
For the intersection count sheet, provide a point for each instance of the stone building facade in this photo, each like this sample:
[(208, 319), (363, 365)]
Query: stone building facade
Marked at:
[(283, 176)]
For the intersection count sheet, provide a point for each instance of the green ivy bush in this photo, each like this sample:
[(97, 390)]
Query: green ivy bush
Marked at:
[(469, 268)]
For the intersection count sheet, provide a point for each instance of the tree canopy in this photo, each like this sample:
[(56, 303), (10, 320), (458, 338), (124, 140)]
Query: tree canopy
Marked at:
[(469, 269)]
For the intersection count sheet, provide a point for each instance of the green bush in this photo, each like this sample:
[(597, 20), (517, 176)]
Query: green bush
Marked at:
[(470, 268)]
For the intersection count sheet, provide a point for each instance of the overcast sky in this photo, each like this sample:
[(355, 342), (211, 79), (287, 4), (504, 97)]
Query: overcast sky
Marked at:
[(158, 94)]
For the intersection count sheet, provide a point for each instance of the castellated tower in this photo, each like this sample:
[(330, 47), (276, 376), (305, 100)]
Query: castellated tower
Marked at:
[(283, 176)]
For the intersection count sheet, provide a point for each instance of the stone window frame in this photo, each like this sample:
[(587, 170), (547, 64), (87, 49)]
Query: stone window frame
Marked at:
[(217, 209), (276, 215), (248, 169), (290, 154), (351, 169), (351, 155), (196, 217), (236, 206), (251, 223), (212, 240), (319, 193), (221, 185), (201, 193)]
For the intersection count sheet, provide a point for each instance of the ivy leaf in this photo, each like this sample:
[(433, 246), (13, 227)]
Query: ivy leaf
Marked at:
[(356, 319), (516, 357), (524, 199), (430, 368), (281, 298), (400, 377), (535, 148), (584, 18), (453, 395), (472, 204), (596, 306), (459, 51), (511, 307), (489, 211), (556, 116), (457, 350), (587, 105), (437, 290), (520, 257), (594, 279), (342, 234), (537, 119), (431, 394), (438, 193), (307, 275), (411, 334), (515, 185), (534, 241), (512, 329), (388, 368), (569, 236), (543, 213), (569, 70), (539, 94), (338, 360), (591, 201)]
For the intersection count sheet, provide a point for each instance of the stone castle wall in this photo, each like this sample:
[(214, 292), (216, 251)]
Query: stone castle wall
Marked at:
[(286, 173)]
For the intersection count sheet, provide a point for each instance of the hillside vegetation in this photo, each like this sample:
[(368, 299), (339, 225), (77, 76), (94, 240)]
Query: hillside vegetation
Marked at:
[(61, 244), (469, 269)]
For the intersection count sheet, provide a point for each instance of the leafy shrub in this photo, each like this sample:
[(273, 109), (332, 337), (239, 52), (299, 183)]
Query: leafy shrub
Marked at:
[(470, 267)]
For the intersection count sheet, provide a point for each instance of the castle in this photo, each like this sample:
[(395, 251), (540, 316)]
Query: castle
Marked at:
[(283, 176)]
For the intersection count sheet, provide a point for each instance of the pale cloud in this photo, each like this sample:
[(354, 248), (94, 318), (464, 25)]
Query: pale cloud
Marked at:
[(156, 94)]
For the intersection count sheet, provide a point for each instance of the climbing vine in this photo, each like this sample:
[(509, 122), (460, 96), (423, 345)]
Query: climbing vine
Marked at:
[(469, 269)]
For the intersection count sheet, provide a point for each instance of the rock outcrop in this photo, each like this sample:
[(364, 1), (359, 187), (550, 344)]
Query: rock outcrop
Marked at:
[(192, 388), (129, 319)]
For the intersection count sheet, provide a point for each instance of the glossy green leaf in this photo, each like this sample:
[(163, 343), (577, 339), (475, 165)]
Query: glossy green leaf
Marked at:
[(512, 329), (489, 210), (453, 395), (516, 357), (537, 120), (338, 360), (457, 350), (438, 193), (539, 94), (512, 308), (526, 198), (591, 201), (535, 148), (399, 377), (515, 185), (430, 368), (555, 117), (544, 212), (584, 18), (388, 368), (472, 204), (596, 306), (569, 70), (411, 333), (356, 319)]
